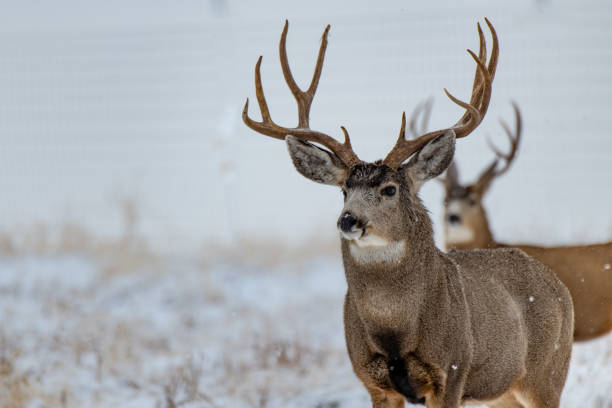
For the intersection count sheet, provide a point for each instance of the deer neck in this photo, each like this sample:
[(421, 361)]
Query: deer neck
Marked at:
[(384, 288)]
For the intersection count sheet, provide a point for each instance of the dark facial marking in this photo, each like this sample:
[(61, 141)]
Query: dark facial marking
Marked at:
[(457, 193), (367, 175)]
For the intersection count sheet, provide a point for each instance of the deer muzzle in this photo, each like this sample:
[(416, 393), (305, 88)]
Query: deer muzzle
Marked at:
[(350, 226)]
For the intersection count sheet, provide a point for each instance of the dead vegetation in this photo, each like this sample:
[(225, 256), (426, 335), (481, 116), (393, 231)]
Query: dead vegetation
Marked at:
[(126, 253), (183, 385), (256, 252), (16, 389)]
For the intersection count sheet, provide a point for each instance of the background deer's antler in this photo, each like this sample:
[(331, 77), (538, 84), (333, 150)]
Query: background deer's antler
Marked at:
[(492, 172)]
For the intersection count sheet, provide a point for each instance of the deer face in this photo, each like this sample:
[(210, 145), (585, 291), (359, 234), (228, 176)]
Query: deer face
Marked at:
[(380, 202), (463, 215), (372, 194)]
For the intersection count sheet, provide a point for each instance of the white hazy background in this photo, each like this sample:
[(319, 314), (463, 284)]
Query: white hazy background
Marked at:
[(102, 101)]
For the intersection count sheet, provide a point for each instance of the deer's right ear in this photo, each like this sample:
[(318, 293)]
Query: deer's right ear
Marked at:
[(315, 163)]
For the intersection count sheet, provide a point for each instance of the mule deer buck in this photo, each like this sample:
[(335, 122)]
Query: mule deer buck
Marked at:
[(585, 270), (446, 330)]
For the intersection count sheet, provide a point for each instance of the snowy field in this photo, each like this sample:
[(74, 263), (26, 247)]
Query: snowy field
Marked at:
[(218, 283), (81, 331)]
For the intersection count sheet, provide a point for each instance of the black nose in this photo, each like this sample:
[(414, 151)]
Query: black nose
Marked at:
[(347, 222), (454, 219)]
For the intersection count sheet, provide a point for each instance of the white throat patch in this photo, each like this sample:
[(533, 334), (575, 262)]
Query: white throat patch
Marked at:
[(458, 234), (374, 249), (371, 240)]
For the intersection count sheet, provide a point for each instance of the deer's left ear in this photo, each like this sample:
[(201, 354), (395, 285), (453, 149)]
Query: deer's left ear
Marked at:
[(315, 163), (431, 160)]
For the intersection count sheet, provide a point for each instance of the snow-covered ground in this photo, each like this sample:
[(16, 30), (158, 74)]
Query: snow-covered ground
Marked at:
[(142, 99), (201, 332)]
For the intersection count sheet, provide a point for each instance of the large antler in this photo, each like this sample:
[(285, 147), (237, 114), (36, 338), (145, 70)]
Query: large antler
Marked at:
[(475, 110), (492, 171), (304, 99)]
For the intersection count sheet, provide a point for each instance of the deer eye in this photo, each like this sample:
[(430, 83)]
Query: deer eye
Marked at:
[(388, 191), (344, 193)]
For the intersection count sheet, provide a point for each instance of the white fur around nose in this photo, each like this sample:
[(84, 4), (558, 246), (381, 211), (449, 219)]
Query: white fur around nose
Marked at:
[(382, 252), (457, 233), (371, 240)]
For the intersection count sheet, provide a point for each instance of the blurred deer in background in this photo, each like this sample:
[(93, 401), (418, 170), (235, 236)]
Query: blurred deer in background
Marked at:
[(488, 326), (585, 270)]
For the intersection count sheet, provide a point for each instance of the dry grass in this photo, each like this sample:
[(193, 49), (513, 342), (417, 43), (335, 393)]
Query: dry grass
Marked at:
[(183, 385), (259, 253), (16, 390), (129, 251), (126, 253), (248, 377)]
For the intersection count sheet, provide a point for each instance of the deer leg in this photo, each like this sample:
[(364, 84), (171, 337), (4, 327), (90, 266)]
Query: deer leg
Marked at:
[(385, 398), (532, 400), (508, 400), (450, 393)]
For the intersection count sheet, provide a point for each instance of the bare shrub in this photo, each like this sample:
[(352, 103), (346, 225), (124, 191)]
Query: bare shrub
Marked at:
[(183, 385), (15, 388)]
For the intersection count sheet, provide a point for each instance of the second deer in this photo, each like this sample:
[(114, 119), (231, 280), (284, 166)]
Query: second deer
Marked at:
[(584, 269)]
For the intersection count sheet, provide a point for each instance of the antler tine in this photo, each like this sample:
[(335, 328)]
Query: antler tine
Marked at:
[(492, 172), (423, 110), (266, 126), (478, 98), (414, 118), (304, 99), (475, 110), (491, 68), (514, 141), (482, 56)]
